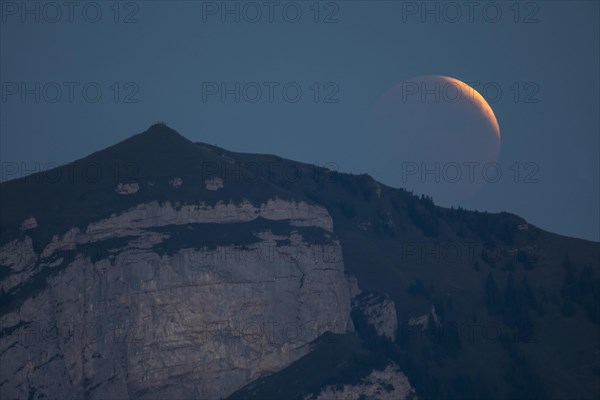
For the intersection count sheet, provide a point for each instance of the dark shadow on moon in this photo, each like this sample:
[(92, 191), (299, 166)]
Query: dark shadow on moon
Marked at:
[(433, 135)]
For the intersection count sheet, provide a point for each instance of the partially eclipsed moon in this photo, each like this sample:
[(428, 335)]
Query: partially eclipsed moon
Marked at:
[(473, 96), (443, 128)]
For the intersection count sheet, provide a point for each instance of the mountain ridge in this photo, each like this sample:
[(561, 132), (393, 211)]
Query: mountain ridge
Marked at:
[(160, 139), (530, 284)]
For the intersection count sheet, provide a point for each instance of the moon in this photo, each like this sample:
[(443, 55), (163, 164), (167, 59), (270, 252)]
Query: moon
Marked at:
[(435, 135)]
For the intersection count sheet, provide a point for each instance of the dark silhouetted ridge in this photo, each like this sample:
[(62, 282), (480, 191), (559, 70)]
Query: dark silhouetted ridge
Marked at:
[(86, 190)]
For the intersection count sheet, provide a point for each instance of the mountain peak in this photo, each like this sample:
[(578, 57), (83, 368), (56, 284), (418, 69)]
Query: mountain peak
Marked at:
[(161, 132), (159, 143), (161, 128)]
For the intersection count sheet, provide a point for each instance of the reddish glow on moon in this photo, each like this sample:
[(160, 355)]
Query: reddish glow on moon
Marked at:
[(435, 135), (475, 98)]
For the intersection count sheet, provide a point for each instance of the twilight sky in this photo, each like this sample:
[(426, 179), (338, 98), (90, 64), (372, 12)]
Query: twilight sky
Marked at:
[(77, 78)]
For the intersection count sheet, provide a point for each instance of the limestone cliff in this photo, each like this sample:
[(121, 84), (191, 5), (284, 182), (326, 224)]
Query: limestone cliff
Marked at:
[(387, 384), (154, 303)]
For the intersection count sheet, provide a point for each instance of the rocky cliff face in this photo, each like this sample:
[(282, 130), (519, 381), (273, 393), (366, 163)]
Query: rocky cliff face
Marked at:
[(168, 299), (379, 311), (387, 384), (182, 270)]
